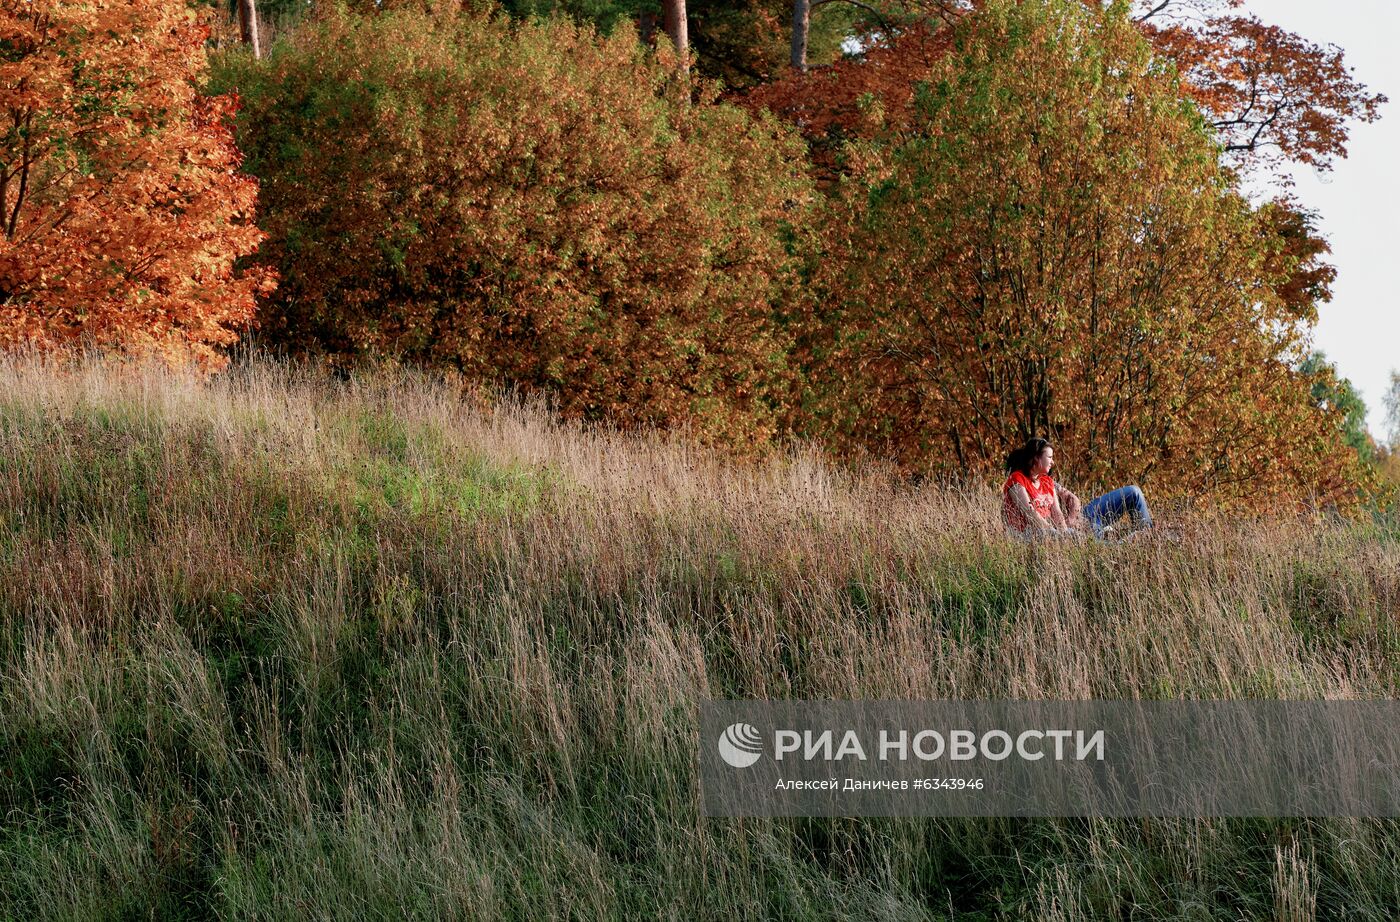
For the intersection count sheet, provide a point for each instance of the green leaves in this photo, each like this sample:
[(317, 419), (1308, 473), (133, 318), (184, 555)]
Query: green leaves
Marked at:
[(1054, 249)]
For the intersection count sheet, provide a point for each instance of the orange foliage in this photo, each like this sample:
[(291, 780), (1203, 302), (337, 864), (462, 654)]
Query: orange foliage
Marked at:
[(534, 205), (1269, 94), (1304, 279), (122, 211), (854, 97)]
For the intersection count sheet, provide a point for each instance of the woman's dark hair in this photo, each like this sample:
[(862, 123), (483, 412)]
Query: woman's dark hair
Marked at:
[(1021, 459)]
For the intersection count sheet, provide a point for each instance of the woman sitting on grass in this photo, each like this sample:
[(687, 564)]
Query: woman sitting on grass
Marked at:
[(1031, 504)]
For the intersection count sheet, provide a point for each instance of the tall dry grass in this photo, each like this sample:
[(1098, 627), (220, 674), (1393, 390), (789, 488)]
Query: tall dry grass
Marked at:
[(276, 645)]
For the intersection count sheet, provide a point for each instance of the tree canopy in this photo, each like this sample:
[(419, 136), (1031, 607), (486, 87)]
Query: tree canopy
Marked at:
[(1050, 246), (921, 228), (528, 203), (123, 213)]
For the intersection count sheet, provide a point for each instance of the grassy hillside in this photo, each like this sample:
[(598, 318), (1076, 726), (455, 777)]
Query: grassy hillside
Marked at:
[(276, 646)]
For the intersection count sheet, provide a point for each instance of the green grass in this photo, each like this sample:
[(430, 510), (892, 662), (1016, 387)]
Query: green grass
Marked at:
[(277, 647)]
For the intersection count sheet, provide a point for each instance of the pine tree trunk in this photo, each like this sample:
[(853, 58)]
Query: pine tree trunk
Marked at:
[(674, 21), (248, 25), (801, 25)]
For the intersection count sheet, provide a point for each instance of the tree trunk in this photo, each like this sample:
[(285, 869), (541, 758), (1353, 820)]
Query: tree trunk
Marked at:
[(673, 20), (801, 25), (248, 25)]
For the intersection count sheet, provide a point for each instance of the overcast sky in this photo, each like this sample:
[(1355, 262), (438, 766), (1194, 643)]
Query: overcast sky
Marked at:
[(1360, 199)]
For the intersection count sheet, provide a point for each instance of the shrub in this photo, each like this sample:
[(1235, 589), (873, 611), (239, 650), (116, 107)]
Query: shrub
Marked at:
[(533, 204)]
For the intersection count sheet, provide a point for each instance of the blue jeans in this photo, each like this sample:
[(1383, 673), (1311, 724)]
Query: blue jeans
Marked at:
[(1109, 508)]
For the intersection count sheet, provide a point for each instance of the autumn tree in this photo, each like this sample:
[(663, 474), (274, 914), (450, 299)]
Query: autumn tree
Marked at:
[(743, 43), (1052, 248), (528, 202), (123, 213), (1299, 264), (1269, 95), (1391, 403), (1336, 395), (857, 97), (1388, 455)]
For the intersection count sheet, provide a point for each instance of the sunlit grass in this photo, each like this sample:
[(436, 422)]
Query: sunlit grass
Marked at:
[(280, 646)]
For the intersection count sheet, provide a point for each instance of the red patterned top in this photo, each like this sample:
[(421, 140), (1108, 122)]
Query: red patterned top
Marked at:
[(1041, 490)]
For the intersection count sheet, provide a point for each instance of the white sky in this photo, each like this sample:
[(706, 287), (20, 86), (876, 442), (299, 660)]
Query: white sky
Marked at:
[(1359, 200)]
